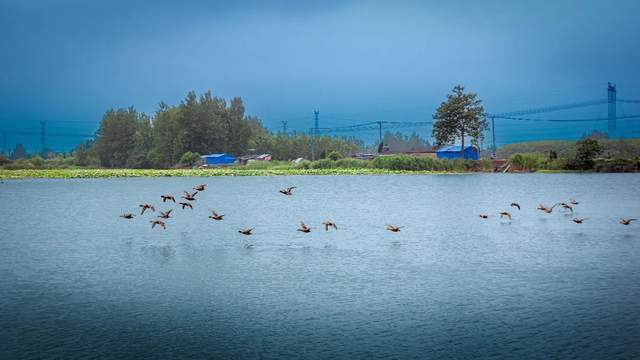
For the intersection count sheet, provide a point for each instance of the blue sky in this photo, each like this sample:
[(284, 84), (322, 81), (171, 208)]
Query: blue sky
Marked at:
[(67, 61)]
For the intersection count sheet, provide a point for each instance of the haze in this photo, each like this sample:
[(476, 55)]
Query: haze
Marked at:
[(68, 61)]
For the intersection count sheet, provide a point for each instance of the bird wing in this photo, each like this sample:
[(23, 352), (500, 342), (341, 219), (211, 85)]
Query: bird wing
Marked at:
[(164, 226)]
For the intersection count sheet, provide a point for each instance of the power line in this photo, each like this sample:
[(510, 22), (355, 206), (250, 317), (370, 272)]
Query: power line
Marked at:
[(566, 120), (34, 133)]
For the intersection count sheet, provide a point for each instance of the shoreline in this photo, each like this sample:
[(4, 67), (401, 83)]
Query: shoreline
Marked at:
[(135, 173)]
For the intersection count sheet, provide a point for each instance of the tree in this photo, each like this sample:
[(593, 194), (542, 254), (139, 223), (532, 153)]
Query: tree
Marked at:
[(586, 151), (460, 116), (82, 154), (116, 137), (334, 155), (189, 159)]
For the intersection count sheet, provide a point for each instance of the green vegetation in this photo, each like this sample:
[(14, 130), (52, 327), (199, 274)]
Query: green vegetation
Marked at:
[(460, 116), (129, 143), (176, 135), (394, 164), (620, 148)]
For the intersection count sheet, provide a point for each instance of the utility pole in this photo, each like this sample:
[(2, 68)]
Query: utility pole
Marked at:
[(317, 121), (314, 134), (380, 131), (284, 126), (42, 136), (611, 102), (493, 134)]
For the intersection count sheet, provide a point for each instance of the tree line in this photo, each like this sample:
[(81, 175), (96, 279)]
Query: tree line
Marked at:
[(204, 124)]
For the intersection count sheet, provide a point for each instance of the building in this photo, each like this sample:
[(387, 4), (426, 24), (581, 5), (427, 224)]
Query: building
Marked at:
[(223, 159), (453, 152), (247, 159)]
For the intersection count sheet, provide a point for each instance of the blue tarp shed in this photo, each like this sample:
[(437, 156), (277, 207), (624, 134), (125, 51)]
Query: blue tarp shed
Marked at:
[(453, 152), (218, 159)]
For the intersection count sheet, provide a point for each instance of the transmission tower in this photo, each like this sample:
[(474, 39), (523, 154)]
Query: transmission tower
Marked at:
[(611, 102), (284, 126)]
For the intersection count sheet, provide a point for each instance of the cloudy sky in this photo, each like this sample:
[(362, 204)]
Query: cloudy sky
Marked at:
[(67, 61)]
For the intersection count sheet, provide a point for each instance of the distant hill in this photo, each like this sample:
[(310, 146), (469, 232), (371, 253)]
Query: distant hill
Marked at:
[(627, 148)]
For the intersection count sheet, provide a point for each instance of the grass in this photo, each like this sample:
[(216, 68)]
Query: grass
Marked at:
[(129, 173)]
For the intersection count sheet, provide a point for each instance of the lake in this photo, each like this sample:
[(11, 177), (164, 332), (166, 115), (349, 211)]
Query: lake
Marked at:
[(77, 281)]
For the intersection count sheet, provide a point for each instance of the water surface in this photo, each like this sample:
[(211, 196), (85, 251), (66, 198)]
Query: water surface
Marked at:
[(78, 282)]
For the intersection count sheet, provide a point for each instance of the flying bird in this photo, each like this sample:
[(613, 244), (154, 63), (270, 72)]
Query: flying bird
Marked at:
[(567, 206), (515, 205), (394, 228), (287, 191), (215, 216), (329, 224), (158, 222), (578, 220), (199, 187), (184, 205), (166, 198), (304, 228), (574, 202), (505, 213), (127, 216), (626, 221), (546, 209), (165, 214), (246, 231), (484, 216), (145, 207), (190, 196)]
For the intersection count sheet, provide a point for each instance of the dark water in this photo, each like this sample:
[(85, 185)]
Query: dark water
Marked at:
[(79, 282)]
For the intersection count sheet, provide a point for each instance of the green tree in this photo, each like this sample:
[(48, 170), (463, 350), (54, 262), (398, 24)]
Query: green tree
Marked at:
[(142, 143), (116, 137), (460, 116), (83, 155), (586, 151), (189, 159), (334, 155)]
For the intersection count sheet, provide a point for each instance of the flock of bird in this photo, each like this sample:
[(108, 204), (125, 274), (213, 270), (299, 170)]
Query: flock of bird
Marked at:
[(189, 198), (566, 206)]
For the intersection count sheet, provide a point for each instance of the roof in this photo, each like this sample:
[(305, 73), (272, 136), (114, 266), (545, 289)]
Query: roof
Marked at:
[(454, 148), (215, 155)]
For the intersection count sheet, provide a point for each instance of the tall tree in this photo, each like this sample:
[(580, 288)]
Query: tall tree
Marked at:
[(460, 116), (116, 137)]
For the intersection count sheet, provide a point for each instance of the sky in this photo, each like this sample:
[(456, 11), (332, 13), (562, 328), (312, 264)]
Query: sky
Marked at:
[(68, 61)]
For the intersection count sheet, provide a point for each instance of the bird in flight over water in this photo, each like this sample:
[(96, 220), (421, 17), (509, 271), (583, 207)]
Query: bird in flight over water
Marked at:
[(287, 191)]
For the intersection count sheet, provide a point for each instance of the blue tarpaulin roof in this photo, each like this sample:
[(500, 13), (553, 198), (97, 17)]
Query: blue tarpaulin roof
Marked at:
[(214, 155), (453, 148)]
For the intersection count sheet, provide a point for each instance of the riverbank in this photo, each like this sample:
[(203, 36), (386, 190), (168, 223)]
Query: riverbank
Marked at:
[(132, 173)]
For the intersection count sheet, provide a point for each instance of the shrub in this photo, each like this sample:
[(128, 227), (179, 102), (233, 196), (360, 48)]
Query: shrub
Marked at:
[(618, 165), (527, 161), (334, 155), (189, 159), (348, 163), (4, 160), (37, 162)]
